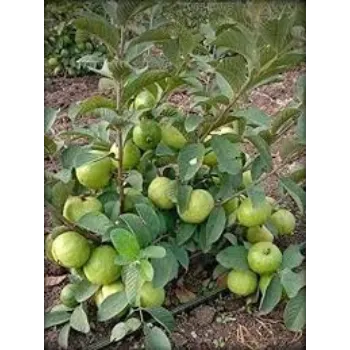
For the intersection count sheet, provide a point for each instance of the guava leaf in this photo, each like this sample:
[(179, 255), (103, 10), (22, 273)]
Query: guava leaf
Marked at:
[(112, 306), (50, 146), (272, 296), (96, 222), (126, 244), (146, 270), (215, 225), (228, 155), (155, 338), (85, 290), (135, 179), (184, 232), (295, 191), (55, 318), (256, 194), (295, 312), (183, 196), (63, 336), (235, 257), (163, 317), (154, 252), (292, 257), (79, 320), (181, 255), (50, 115), (292, 282), (255, 116), (149, 218), (263, 149), (133, 324), (119, 331), (190, 160), (131, 279), (192, 122)]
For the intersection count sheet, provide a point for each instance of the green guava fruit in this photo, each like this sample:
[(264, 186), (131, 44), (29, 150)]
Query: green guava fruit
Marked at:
[(150, 296), (284, 221), (67, 295), (210, 159), (242, 283), (257, 234), (144, 100), (70, 249), (131, 155), (132, 197), (249, 216), (96, 174), (172, 137), (108, 290), (159, 192), (147, 134), (273, 203), (200, 205), (264, 258), (76, 207), (231, 205), (101, 268)]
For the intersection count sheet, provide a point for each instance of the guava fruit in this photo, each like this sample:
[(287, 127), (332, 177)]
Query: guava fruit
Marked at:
[(273, 203), (108, 290), (242, 283), (95, 174), (259, 234), (147, 134), (159, 192), (67, 295), (264, 258), (150, 296), (144, 100), (76, 207), (284, 221), (249, 216), (200, 205), (131, 155), (101, 268), (210, 159), (172, 137), (70, 249), (231, 205), (247, 178)]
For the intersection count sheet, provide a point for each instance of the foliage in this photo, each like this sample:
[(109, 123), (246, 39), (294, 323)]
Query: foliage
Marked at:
[(154, 229)]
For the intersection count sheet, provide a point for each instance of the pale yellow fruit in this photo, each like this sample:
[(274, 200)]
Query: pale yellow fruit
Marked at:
[(159, 192)]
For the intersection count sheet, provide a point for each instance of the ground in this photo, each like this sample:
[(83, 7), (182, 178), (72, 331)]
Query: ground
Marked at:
[(222, 323)]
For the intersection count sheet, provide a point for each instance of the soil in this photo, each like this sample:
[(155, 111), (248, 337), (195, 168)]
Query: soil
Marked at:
[(223, 323)]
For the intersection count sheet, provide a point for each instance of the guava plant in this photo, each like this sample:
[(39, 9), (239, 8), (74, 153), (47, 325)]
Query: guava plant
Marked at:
[(149, 184)]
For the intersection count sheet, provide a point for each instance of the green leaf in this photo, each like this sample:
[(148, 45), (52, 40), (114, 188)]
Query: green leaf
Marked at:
[(272, 296), (256, 194), (151, 36), (146, 270), (60, 193), (192, 122), (184, 232), (131, 279), (292, 257), (64, 175), (181, 255), (164, 317), (228, 154), (165, 269), (234, 71), (301, 129), (61, 307), (63, 336), (79, 320), (100, 28), (239, 41), (143, 81), (292, 282), (126, 244), (55, 318), (296, 192), (136, 50), (91, 104), (282, 117), (112, 306), (275, 31), (190, 160), (136, 225), (126, 10), (149, 218), (228, 185), (50, 115), (234, 258), (263, 149), (154, 251), (295, 312), (255, 116), (120, 69), (156, 339), (183, 196), (135, 179), (96, 222), (133, 324), (163, 150), (50, 146), (215, 225), (119, 331), (85, 290)]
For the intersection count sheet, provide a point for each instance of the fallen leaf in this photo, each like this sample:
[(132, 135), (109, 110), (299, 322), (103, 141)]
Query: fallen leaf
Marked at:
[(51, 281), (184, 295)]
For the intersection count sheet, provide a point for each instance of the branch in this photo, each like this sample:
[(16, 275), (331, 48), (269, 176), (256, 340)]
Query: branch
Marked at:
[(120, 170)]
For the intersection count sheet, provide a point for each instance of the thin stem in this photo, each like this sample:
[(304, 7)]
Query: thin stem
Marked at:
[(120, 169), (71, 225)]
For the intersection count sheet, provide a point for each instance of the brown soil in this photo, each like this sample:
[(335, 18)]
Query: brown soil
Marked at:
[(223, 323)]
